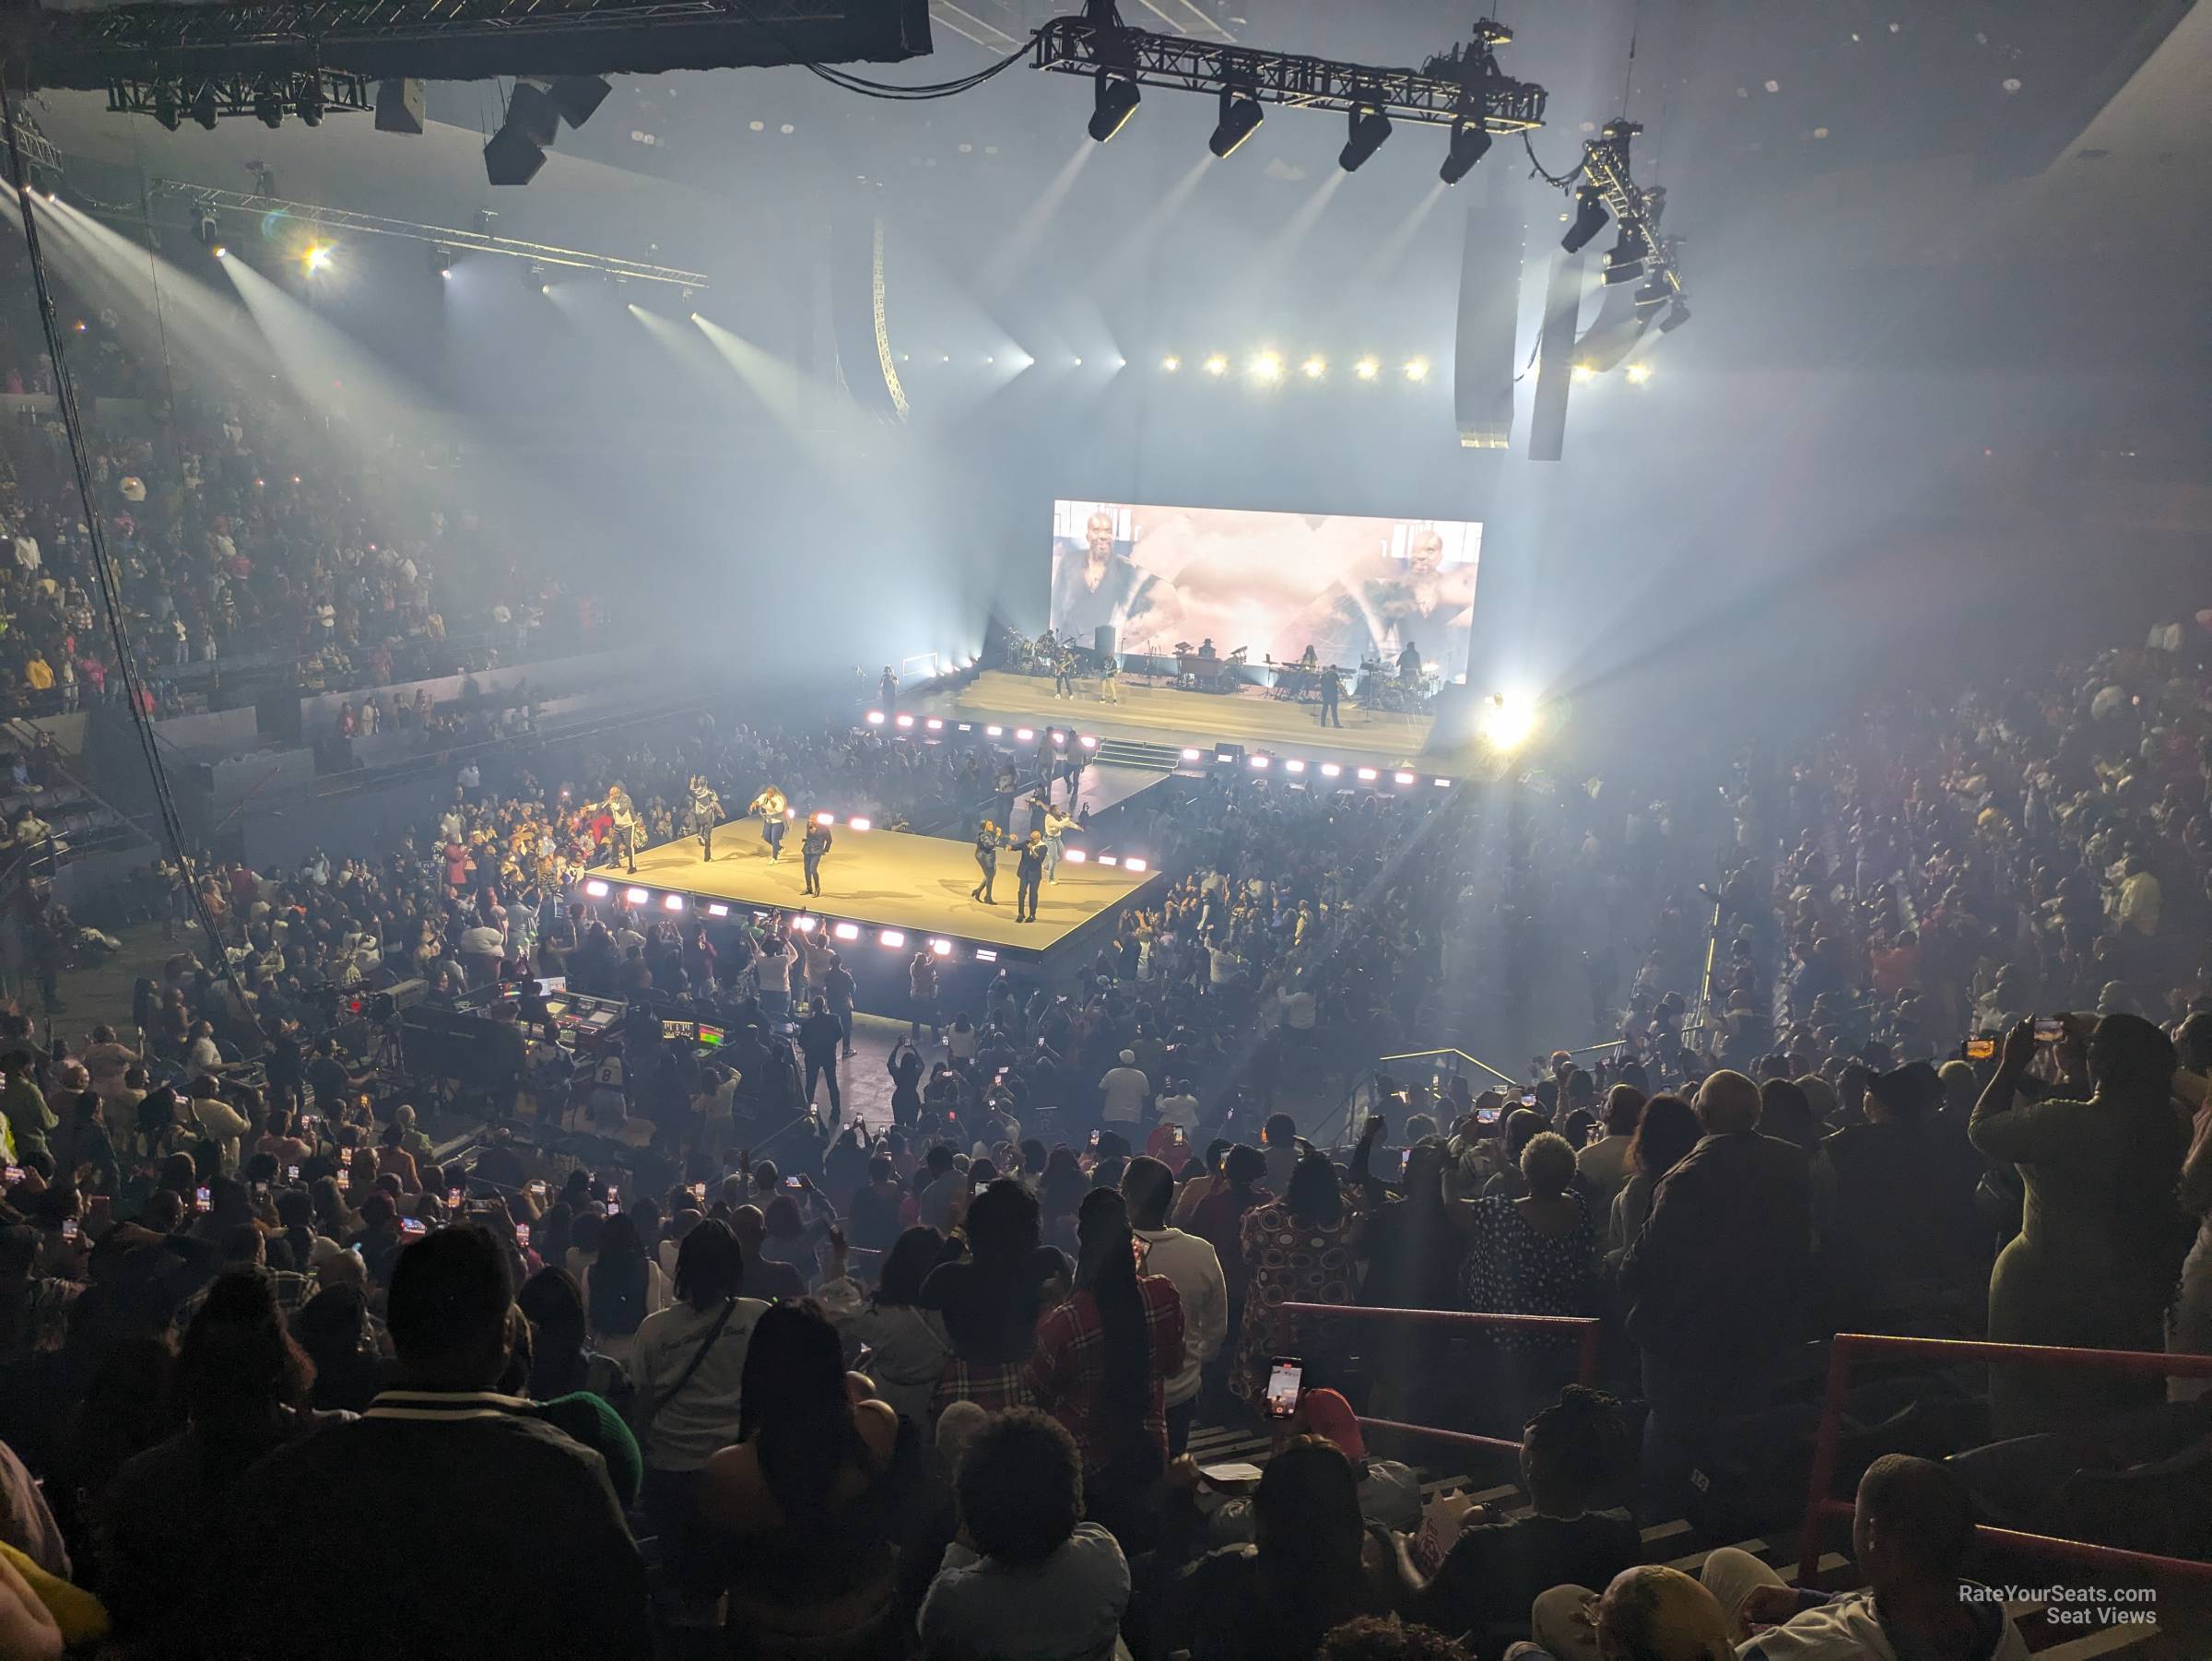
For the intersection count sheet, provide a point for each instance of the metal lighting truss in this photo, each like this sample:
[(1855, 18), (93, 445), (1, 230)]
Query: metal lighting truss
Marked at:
[(208, 198), (1635, 210), (171, 96), (1072, 45)]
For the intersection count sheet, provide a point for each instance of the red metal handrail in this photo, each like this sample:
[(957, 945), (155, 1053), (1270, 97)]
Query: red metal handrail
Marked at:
[(1586, 1328), (1848, 1346)]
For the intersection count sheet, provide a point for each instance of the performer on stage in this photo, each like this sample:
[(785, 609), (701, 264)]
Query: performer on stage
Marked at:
[(1409, 665), (1109, 680), (1332, 690), (1064, 674), (622, 827), (811, 850), (1029, 871), (706, 813), (771, 807), (887, 688), (987, 844), (1056, 825)]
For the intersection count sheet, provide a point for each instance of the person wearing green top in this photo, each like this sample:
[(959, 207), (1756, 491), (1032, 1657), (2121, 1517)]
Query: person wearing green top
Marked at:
[(2101, 1233), (23, 1105)]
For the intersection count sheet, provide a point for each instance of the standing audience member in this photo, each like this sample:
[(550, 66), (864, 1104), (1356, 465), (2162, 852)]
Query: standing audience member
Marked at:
[(1195, 1270)]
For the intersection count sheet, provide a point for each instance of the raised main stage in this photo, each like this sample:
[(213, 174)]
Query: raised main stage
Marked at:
[(1149, 715), (916, 885)]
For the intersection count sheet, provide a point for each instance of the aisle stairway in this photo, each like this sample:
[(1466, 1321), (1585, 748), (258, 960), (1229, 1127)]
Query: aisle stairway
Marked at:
[(1135, 752)]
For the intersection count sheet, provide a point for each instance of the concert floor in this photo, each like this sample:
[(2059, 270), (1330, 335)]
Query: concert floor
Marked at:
[(1165, 716), (885, 879)]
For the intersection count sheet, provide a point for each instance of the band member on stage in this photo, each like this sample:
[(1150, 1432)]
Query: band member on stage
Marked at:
[(811, 850), (772, 808), (706, 813), (987, 844), (887, 688), (622, 827), (1056, 824), (1309, 661), (1064, 674), (1332, 690), (1409, 665), (1109, 680), (1029, 871)]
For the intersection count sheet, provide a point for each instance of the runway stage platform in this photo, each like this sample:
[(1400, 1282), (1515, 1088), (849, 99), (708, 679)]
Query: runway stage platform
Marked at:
[(882, 878), (1149, 714)]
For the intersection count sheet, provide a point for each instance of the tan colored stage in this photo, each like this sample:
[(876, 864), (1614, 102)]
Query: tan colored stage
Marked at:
[(1163, 714), (886, 878)]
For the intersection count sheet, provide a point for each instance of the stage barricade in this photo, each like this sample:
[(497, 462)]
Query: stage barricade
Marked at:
[(1849, 1347)]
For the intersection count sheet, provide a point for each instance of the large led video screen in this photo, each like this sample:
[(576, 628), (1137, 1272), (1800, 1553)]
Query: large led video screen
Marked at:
[(1272, 583)]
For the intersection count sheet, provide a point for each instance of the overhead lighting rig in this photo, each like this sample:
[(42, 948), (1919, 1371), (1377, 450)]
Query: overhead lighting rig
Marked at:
[(310, 94), (1463, 89), (1607, 192)]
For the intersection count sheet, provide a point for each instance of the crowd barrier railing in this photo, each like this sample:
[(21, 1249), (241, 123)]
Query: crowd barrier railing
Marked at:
[(1849, 1347), (1585, 1328)]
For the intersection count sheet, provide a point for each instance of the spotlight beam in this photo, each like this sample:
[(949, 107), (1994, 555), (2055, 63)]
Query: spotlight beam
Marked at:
[(208, 198)]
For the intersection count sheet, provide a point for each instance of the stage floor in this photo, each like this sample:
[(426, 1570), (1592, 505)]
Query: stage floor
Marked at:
[(1167, 715), (886, 878)]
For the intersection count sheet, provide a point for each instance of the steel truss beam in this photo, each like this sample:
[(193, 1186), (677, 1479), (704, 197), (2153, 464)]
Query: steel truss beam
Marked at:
[(1071, 45), (171, 96), (1634, 209), (211, 199)]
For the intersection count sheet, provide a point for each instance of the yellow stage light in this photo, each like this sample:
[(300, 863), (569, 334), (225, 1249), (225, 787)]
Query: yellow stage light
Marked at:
[(1583, 372), (317, 257), (1417, 370), (1315, 368), (1638, 374), (1509, 719), (1366, 367), (1217, 365), (1171, 363), (1267, 365)]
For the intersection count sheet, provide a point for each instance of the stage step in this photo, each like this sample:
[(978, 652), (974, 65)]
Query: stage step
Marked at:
[(1132, 752)]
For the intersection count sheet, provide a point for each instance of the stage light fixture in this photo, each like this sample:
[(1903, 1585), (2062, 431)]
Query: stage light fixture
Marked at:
[(1294, 765), (595, 888), (1470, 143), (1267, 365), (983, 954), (1109, 859), (860, 822), (165, 108), (1508, 720), (1365, 368), (673, 903), (1368, 775), (1315, 368), (221, 253), (1171, 363), (1624, 260), (1401, 778), (1677, 316), (208, 228), (1638, 373), (942, 948), (874, 717), (1217, 365), (1189, 753), (1134, 864), (1025, 734), (577, 96), (441, 260), (1651, 296), (1417, 368), (1583, 372), (637, 896), (1366, 130), (846, 931), (1589, 216), (718, 909), (1075, 857), (307, 101), (1240, 118), (317, 258), (203, 106), (1113, 101), (1329, 770)]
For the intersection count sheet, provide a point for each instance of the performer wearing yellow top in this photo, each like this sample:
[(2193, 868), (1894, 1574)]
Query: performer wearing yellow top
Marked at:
[(772, 808)]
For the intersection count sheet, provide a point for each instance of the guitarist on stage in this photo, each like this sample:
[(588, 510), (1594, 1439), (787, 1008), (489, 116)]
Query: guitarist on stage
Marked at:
[(706, 813), (771, 806), (622, 829)]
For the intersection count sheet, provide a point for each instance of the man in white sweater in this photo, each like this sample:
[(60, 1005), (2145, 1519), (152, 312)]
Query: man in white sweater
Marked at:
[(1148, 1187)]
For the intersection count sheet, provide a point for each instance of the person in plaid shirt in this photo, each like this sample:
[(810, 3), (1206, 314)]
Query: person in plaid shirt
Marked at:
[(1104, 1356)]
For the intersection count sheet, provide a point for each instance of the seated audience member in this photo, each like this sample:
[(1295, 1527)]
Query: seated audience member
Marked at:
[(1315, 1564), (1576, 1463), (1030, 1580), (1390, 1491), (802, 1504), (440, 1491), (1718, 1284), (1650, 1613)]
